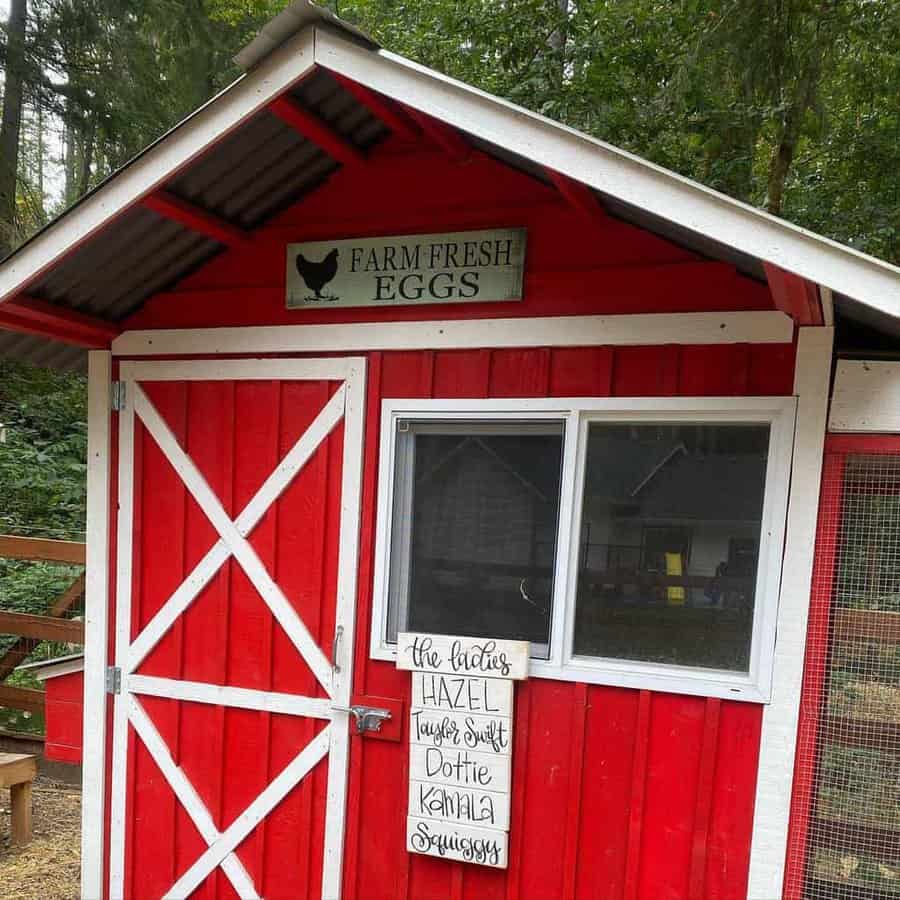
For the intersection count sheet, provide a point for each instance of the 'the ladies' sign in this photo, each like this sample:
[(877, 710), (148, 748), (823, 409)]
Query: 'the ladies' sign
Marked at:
[(460, 736)]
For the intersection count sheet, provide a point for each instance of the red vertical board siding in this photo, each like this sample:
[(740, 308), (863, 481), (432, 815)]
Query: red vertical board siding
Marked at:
[(731, 815), (63, 713), (616, 793)]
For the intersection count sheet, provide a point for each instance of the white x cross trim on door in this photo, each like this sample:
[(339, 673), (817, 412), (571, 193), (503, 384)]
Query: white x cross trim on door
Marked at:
[(333, 675)]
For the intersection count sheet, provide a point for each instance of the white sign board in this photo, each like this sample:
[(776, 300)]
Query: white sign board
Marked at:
[(457, 730), (462, 655), (465, 843), (460, 754), (407, 269)]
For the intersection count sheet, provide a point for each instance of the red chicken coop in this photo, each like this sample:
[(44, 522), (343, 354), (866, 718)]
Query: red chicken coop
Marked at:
[(454, 481)]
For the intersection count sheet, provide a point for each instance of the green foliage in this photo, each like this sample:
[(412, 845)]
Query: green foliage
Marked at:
[(43, 460), (42, 479)]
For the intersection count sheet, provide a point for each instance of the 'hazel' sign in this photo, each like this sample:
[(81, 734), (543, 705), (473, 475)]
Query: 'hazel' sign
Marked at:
[(407, 269), (460, 744)]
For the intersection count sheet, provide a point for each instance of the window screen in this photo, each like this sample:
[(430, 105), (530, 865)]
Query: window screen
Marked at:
[(474, 529), (669, 543)]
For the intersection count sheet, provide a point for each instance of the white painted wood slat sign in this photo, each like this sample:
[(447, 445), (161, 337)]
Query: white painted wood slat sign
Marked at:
[(460, 754), (462, 656)]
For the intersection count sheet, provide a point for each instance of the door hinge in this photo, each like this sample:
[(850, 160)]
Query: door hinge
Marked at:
[(118, 396), (113, 680)]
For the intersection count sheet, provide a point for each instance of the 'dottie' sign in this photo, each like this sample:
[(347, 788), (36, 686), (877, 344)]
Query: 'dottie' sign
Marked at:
[(407, 269), (460, 744)]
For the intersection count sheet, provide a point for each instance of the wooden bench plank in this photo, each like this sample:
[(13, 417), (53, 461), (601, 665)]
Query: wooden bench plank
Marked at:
[(16, 768)]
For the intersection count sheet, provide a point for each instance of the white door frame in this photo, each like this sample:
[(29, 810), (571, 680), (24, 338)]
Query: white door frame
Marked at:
[(347, 404)]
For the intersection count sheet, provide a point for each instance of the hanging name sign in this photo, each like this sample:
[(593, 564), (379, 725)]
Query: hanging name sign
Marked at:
[(407, 269), (460, 735)]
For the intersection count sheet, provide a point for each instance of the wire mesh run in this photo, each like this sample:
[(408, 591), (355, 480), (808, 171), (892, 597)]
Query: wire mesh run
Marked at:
[(846, 814)]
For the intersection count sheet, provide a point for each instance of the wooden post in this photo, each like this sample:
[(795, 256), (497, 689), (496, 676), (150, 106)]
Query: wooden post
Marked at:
[(20, 816)]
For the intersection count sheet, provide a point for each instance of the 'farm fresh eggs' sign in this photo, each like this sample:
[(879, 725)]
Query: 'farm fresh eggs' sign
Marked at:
[(460, 744), (409, 269)]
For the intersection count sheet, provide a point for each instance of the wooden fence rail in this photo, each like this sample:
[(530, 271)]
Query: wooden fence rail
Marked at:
[(41, 550), (30, 629), (44, 628)]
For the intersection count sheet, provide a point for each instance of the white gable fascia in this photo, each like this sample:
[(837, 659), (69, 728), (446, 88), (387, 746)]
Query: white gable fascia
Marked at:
[(617, 173), (225, 112)]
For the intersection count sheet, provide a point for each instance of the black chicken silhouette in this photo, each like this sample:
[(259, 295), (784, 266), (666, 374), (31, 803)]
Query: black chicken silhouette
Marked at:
[(317, 274)]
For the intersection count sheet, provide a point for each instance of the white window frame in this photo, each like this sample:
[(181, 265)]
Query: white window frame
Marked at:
[(578, 413)]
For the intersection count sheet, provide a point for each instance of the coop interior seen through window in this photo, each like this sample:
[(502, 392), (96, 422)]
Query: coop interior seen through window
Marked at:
[(665, 565), (669, 543), (474, 529)]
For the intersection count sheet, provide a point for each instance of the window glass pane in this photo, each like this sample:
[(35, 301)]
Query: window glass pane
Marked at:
[(474, 529), (669, 543)]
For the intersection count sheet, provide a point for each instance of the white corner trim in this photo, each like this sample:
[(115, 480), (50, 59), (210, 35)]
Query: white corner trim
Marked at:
[(96, 614), (210, 123), (761, 327), (866, 396), (617, 173), (779, 726)]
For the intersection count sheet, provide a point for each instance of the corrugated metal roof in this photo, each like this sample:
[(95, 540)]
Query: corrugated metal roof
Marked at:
[(245, 179)]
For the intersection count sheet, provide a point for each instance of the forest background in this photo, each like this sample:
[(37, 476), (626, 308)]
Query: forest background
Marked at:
[(789, 105)]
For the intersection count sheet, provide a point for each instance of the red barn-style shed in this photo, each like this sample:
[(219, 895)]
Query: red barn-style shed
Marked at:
[(582, 404), (63, 680)]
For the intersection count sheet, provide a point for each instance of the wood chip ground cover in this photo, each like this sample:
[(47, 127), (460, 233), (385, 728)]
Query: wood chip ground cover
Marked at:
[(49, 867)]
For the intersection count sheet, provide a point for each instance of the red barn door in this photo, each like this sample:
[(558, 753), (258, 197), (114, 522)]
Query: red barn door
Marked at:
[(236, 576)]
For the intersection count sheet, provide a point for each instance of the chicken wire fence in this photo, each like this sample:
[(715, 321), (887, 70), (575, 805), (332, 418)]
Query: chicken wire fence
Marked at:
[(845, 825)]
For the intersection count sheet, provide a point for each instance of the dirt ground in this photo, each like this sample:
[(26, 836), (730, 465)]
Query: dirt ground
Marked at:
[(48, 867)]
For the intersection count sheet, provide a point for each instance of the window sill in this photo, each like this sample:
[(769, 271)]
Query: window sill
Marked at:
[(636, 676)]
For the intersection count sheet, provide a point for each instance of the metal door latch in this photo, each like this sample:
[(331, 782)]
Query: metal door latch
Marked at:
[(368, 718)]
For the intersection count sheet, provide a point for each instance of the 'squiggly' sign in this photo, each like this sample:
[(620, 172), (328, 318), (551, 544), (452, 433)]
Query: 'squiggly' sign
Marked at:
[(461, 729)]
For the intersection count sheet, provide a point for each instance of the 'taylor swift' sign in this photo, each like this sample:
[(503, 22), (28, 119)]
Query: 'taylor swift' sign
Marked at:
[(460, 744), (408, 269)]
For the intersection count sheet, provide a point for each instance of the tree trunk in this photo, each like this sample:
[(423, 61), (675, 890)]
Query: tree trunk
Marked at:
[(87, 154), (11, 123), (791, 126)]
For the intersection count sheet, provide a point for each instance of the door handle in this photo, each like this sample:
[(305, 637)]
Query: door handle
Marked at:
[(335, 646), (368, 718)]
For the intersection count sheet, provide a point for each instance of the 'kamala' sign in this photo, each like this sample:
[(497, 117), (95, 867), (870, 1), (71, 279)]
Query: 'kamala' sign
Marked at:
[(460, 736), (408, 269)]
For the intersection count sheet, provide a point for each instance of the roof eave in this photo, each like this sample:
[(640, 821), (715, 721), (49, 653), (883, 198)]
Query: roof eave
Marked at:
[(619, 174)]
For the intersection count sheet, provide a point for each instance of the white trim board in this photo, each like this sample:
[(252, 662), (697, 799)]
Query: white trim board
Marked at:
[(866, 397), (778, 742), (760, 327), (617, 173), (96, 618)]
